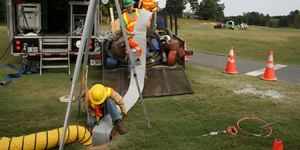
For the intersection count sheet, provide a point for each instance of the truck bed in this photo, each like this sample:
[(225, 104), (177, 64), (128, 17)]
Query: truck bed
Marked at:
[(162, 81)]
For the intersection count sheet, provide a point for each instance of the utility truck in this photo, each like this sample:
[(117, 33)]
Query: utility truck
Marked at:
[(50, 29)]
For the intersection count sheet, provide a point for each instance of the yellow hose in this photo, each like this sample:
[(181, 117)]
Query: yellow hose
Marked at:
[(47, 139)]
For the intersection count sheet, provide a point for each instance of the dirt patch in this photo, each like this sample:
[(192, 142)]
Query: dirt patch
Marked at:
[(267, 93), (210, 23)]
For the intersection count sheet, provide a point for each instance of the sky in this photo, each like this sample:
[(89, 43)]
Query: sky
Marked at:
[(271, 7)]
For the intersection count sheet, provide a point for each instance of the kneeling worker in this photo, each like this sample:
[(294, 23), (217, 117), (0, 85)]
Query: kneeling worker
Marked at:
[(101, 102)]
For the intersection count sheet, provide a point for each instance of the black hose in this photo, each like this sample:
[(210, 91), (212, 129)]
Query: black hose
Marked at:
[(10, 44)]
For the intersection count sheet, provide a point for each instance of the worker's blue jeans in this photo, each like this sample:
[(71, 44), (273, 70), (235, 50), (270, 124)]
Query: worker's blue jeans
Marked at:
[(109, 108)]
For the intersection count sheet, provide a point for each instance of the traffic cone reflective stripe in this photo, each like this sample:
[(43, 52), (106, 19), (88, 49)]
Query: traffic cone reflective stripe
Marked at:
[(277, 145), (269, 72), (186, 58), (230, 68)]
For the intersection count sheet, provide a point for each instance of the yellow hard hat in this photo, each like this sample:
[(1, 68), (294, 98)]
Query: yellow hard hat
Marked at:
[(97, 94)]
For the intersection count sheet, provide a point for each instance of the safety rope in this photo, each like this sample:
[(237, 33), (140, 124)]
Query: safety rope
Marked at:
[(254, 118), (84, 86)]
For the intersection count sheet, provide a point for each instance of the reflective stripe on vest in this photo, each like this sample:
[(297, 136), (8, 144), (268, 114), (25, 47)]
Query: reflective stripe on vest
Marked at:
[(109, 94), (147, 4), (130, 23)]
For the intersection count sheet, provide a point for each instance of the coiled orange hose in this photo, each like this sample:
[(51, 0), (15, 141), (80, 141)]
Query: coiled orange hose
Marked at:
[(247, 118)]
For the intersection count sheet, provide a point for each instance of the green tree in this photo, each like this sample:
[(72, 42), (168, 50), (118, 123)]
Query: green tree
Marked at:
[(239, 19), (175, 7), (210, 10), (262, 20), (193, 4), (294, 17), (284, 21), (2, 11)]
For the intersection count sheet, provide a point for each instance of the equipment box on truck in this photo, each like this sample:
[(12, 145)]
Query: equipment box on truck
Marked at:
[(49, 29)]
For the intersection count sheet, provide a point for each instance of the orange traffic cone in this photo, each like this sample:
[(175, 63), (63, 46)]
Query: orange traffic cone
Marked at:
[(277, 145), (230, 68), (269, 72), (186, 58)]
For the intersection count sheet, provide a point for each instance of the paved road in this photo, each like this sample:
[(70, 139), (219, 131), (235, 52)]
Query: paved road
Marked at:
[(254, 68)]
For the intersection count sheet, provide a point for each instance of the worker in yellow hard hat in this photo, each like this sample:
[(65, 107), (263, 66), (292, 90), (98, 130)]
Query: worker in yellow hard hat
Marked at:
[(101, 102)]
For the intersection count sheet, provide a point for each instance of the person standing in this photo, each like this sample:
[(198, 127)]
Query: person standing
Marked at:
[(150, 5), (129, 19)]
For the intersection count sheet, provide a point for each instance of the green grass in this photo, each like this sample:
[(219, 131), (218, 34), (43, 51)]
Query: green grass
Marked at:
[(30, 104), (253, 45)]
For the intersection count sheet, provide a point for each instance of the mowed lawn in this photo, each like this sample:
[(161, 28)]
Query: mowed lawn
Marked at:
[(30, 103), (254, 45)]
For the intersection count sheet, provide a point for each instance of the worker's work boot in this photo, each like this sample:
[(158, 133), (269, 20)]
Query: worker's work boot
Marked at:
[(119, 126)]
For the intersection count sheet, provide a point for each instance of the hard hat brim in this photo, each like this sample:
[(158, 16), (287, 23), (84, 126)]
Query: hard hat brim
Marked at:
[(131, 3)]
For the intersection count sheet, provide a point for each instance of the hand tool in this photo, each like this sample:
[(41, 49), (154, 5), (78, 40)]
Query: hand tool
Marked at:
[(231, 130)]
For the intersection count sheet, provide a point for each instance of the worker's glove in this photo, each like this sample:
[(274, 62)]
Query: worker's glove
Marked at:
[(124, 112), (150, 9)]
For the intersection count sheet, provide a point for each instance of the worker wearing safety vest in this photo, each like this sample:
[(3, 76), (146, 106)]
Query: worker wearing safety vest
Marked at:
[(101, 102), (150, 5), (129, 19)]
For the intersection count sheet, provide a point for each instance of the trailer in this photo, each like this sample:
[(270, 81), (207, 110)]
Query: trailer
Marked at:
[(51, 30), (164, 66)]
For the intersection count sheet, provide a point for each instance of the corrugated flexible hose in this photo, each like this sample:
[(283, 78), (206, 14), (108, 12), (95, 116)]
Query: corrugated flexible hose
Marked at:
[(47, 139)]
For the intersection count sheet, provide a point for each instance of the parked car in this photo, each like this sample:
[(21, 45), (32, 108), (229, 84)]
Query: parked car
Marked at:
[(220, 26)]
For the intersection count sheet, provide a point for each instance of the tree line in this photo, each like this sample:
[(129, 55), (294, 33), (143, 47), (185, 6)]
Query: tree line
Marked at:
[(255, 18), (207, 10), (212, 10)]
